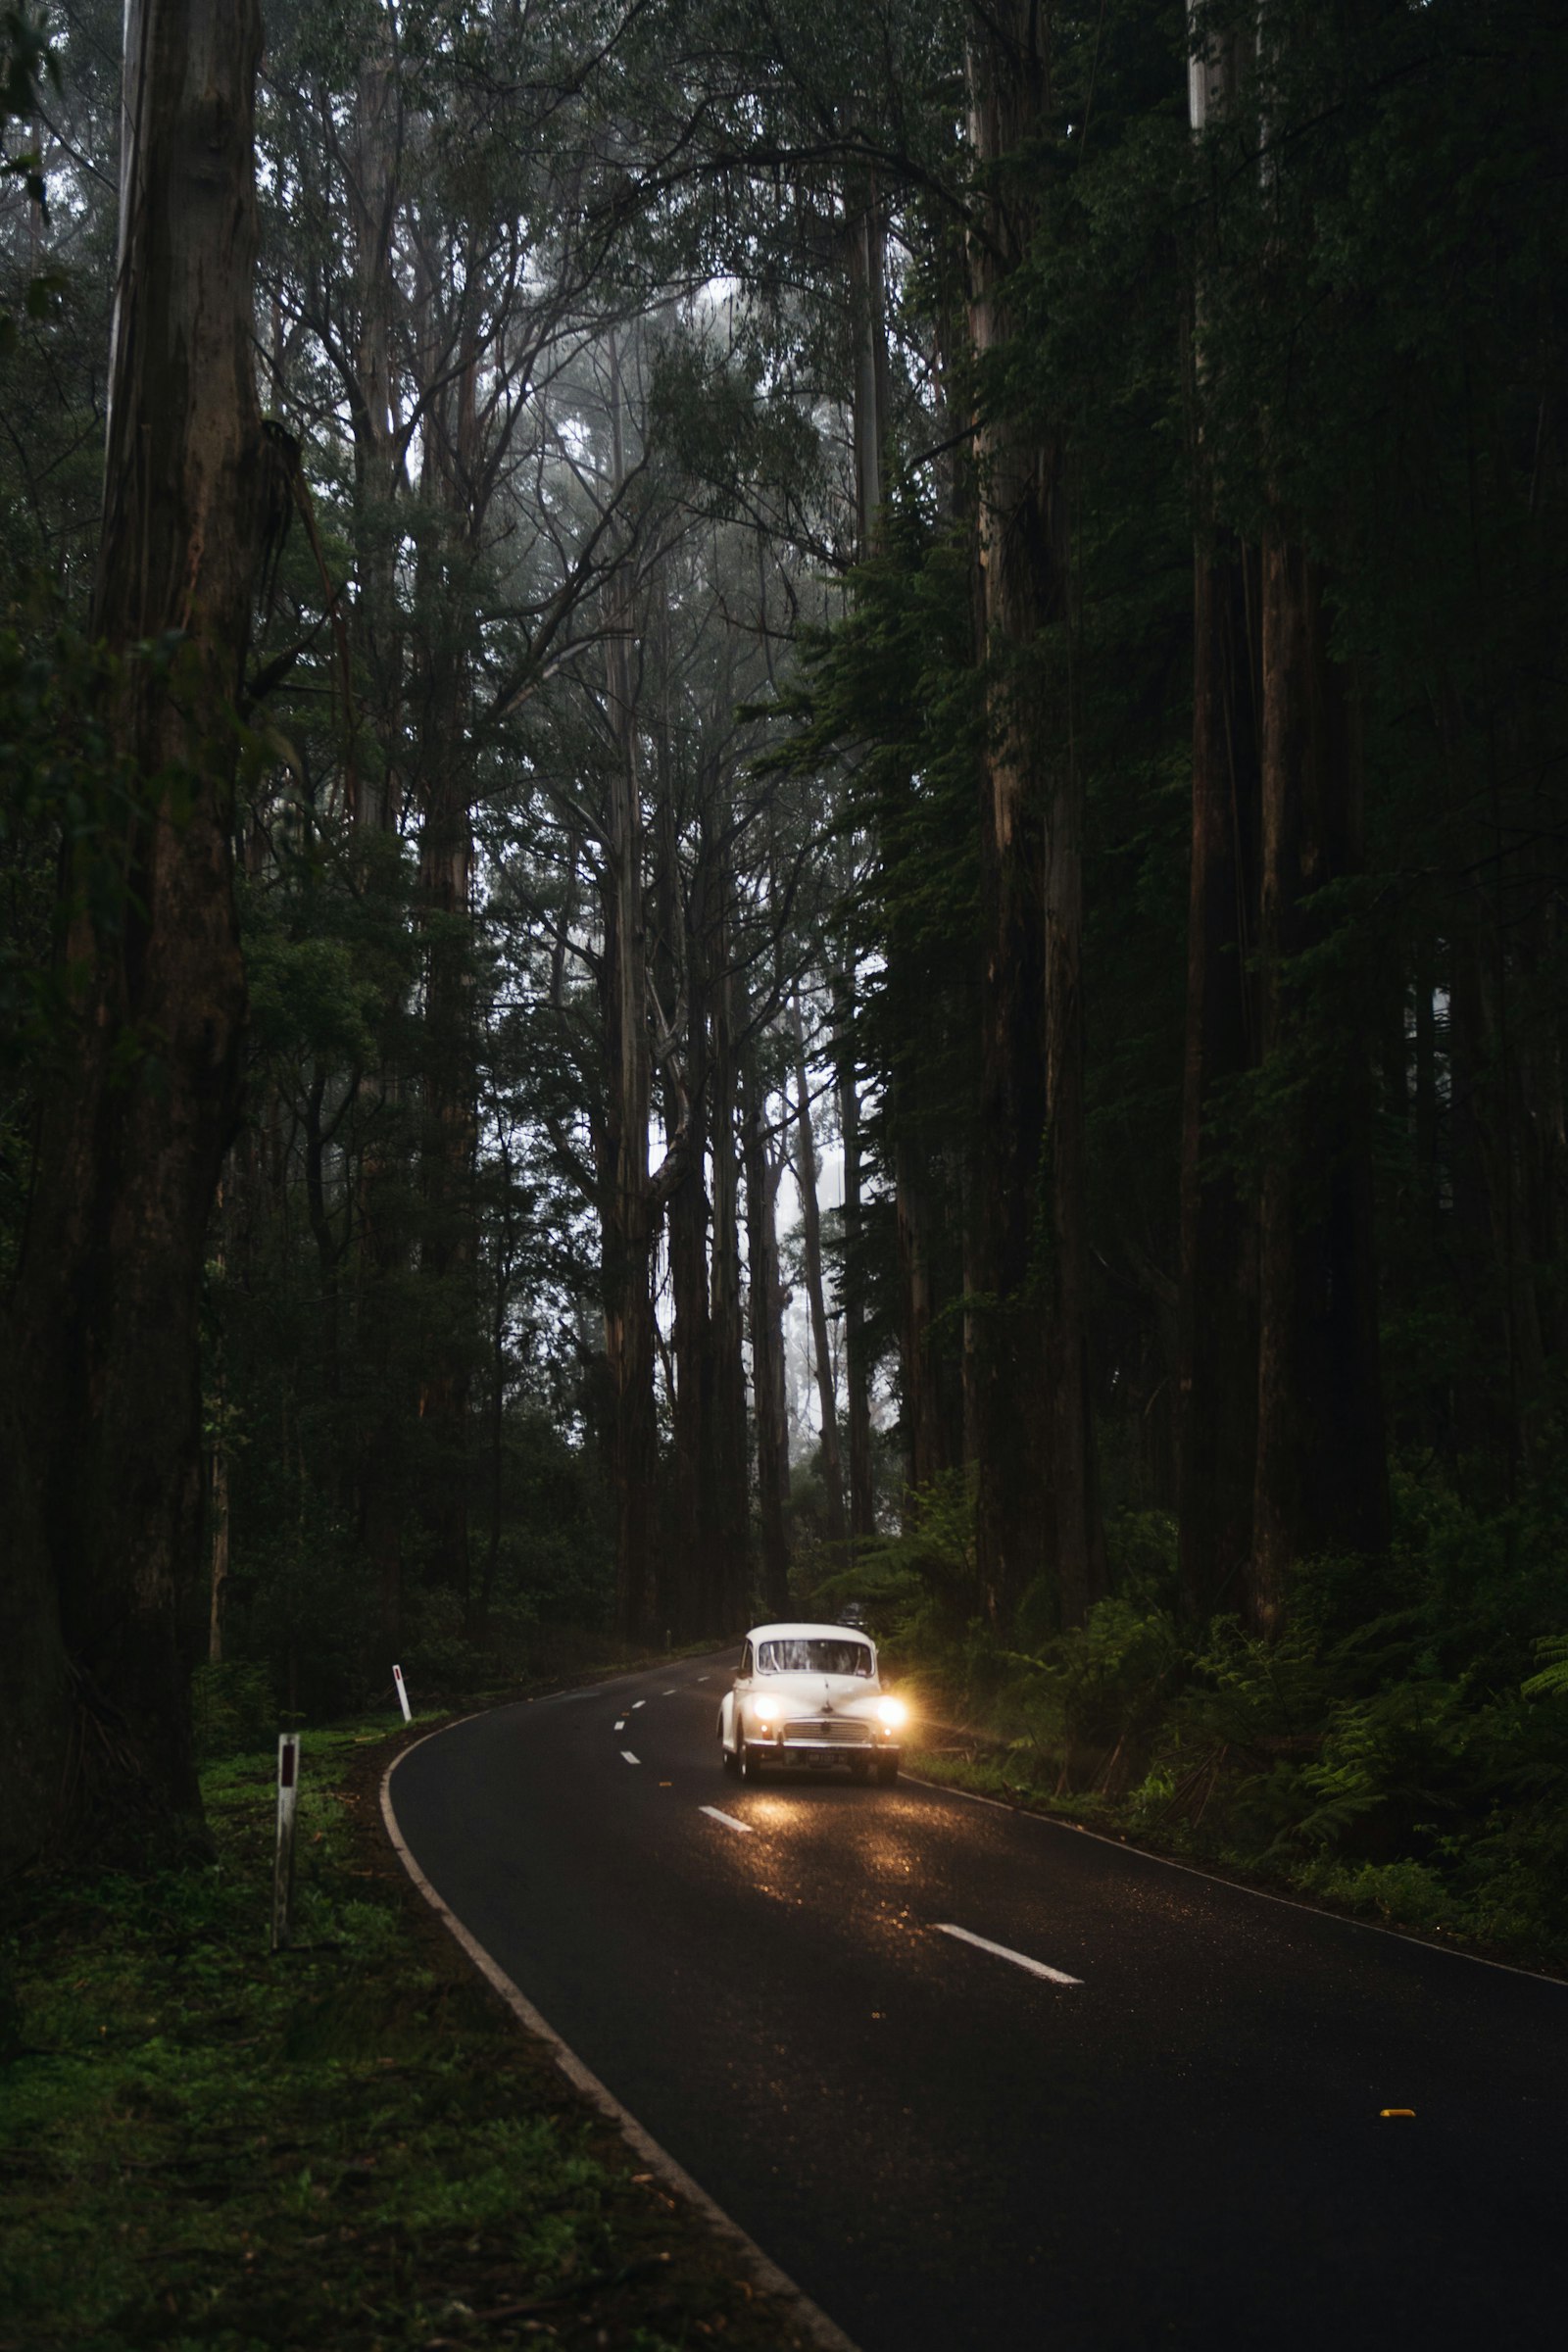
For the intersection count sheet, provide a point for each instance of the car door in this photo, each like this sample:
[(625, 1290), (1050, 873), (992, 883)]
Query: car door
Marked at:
[(731, 1708)]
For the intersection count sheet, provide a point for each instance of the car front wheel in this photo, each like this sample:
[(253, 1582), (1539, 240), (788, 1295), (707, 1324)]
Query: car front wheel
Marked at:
[(729, 1759), (751, 1763)]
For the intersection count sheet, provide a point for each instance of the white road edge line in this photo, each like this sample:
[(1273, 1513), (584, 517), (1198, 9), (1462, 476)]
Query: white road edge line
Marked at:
[(1212, 1878), (728, 1819), (1002, 1951), (629, 1757), (809, 2317)]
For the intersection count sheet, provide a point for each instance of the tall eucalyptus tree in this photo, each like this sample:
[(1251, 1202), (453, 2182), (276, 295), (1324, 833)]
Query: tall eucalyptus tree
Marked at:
[(137, 1115)]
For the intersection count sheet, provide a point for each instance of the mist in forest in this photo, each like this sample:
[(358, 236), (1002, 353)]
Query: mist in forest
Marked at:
[(783, 825)]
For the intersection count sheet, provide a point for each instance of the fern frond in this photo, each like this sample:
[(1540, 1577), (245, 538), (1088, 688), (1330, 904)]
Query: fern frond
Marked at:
[(1552, 1680)]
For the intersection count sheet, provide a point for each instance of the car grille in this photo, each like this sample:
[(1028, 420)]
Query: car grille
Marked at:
[(838, 1731)]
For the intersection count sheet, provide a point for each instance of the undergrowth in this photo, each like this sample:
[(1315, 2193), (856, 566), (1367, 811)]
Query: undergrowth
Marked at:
[(1401, 1752), (347, 2146)]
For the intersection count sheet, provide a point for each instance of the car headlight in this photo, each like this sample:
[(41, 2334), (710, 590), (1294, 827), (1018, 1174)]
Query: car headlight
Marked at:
[(765, 1711), (893, 1712)]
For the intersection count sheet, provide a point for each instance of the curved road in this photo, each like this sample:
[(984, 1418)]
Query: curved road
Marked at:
[(945, 2147)]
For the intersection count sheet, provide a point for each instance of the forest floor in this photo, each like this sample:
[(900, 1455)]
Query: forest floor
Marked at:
[(350, 2145)]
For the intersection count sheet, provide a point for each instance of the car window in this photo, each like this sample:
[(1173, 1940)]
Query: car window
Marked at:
[(802, 1657), (746, 1659)]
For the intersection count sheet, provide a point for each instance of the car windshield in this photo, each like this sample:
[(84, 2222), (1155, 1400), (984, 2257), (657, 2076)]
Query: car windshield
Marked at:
[(815, 1657)]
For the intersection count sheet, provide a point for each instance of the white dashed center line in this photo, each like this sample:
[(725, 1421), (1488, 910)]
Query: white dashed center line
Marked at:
[(670, 1693), (728, 1819), (638, 1702), (620, 1723), (631, 1759), (701, 1677), (1000, 1952)]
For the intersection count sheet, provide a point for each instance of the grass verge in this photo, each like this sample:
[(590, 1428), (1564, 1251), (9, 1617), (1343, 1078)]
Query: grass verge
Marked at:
[(1404, 1897), (351, 2146)]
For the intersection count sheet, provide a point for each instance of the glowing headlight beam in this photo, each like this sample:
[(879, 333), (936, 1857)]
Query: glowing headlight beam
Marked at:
[(893, 1712)]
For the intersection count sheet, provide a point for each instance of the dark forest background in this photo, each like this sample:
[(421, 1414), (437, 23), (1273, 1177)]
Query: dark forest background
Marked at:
[(974, 599)]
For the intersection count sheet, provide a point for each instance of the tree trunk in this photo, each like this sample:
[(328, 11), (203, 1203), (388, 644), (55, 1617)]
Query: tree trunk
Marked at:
[(1217, 1313), (1321, 1478), (132, 1140), (39, 1738), (629, 1221), (1216, 1437), (926, 1455), (372, 192), (449, 1142), (868, 273), (501, 1299), (448, 1077), (816, 1297), (1037, 1505), (628, 1237), (1075, 1547), (857, 1370), (767, 1342), (687, 1601), (730, 1515)]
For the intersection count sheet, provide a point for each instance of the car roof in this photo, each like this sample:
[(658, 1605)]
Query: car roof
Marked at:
[(808, 1633)]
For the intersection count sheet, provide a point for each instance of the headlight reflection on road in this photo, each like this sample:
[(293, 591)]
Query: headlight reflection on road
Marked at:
[(771, 1812)]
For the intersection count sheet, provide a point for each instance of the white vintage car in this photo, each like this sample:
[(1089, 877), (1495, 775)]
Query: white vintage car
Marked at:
[(808, 1696)]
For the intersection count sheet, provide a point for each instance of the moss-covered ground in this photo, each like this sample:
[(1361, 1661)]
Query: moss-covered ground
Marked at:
[(351, 2144)]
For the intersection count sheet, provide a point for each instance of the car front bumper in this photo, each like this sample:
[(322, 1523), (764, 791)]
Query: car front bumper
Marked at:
[(807, 1747)]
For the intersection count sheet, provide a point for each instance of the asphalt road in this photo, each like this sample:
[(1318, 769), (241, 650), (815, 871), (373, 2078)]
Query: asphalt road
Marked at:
[(946, 2149)]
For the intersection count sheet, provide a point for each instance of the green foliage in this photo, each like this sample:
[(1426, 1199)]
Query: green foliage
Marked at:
[(233, 1709), (27, 63), (920, 1587), (1390, 1763), (346, 2145)]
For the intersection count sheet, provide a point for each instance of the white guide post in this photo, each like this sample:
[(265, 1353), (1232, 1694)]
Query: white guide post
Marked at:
[(288, 1797), (403, 1697)]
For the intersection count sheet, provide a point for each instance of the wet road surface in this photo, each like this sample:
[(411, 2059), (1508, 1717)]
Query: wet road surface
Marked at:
[(977, 2080)]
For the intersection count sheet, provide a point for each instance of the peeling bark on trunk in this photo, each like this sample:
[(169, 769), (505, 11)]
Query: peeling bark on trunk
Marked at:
[(730, 1514), (686, 1600), (449, 1129), (132, 1137)]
